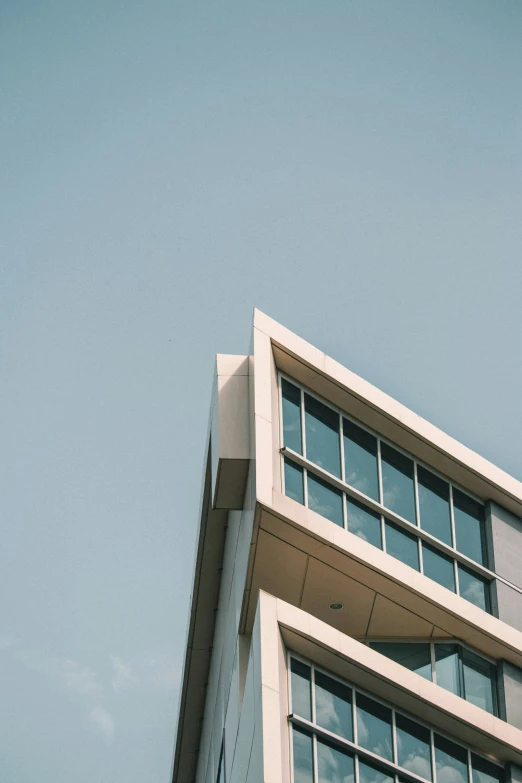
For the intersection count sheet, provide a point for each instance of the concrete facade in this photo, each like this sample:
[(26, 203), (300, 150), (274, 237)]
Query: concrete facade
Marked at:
[(268, 568)]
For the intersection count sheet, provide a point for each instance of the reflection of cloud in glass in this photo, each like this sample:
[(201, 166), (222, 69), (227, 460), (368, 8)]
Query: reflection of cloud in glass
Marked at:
[(368, 736), (356, 481), (333, 766)]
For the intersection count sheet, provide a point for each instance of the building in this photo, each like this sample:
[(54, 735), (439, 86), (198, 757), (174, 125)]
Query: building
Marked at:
[(356, 611)]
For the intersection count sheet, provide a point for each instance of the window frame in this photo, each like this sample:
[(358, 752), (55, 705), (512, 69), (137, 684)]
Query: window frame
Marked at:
[(392, 768), (483, 573)]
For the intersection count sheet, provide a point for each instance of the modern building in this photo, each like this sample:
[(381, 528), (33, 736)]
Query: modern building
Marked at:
[(356, 611)]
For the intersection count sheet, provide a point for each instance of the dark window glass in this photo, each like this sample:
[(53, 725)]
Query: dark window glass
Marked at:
[(294, 481), (333, 706), (371, 773), (413, 747), (333, 765), (325, 500), (438, 567), (402, 545), (397, 482), (374, 730), (447, 667), (451, 761), (322, 435), (415, 656), (364, 523), (469, 527), (360, 459), (434, 507), (301, 694), (303, 759), (484, 771), (479, 681), (291, 416), (473, 588), (221, 768)]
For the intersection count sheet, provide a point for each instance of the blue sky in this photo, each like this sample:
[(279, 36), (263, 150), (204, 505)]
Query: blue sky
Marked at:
[(351, 168)]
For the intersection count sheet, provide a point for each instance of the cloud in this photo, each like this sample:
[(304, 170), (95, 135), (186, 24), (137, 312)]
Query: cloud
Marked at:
[(77, 678), (6, 641), (123, 676), (103, 721)]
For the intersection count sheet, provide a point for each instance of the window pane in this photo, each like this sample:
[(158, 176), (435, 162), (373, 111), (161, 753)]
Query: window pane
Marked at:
[(325, 500), (447, 667), (438, 567), (364, 523), (322, 435), (291, 416), (485, 772), (371, 773), (294, 481), (473, 588), (333, 706), (451, 761), (469, 527), (415, 656), (413, 747), (333, 765), (479, 681), (301, 696), (402, 545), (397, 482), (374, 727), (303, 760), (434, 505), (360, 459)]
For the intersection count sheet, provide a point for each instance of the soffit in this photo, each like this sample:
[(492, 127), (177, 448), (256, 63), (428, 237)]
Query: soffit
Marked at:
[(381, 597)]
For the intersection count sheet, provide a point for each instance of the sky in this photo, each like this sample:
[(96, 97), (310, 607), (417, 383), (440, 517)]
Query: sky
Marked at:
[(353, 169)]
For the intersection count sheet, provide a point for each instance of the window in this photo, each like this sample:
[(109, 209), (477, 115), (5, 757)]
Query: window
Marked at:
[(360, 482), (351, 737), (221, 766), (456, 668)]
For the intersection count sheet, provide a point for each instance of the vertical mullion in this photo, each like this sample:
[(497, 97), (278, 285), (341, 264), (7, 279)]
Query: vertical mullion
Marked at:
[(281, 433), (470, 768), (379, 472), (305, 492), (462, 686), (433, 765), (416, 492), (341, 445), (312, 685), (394, 739), (383, 533), (456, 571), (345, 512), (421, 561), (303, 433), (314, 758), (356, 767), (452, 518), (433, 662), (354, 717)]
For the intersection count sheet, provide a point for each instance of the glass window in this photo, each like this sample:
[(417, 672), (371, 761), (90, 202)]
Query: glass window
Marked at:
[(402, 545), (360, 459), (333, 706), (322, 435), (416, 656), (303, 758), (301, 697), (291, 416), (397, 482), (294, 481), (483, 771), (438, 567), (413, 746), (333, 765), (473, 588), (221, 767), (447, 667), (479, 680), (371, 773), (451, 761), (469, 527), (364, 523), (374, 730), (434, 507), (325, 500)]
